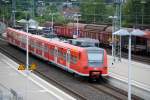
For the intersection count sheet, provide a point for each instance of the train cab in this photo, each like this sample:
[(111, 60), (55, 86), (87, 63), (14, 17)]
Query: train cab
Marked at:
[(97, 62), (96, 57)]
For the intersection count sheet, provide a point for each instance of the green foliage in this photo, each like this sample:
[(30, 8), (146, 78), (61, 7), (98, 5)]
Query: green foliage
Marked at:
[(4, 11), (93, 11), (134, 10), (47, 15)]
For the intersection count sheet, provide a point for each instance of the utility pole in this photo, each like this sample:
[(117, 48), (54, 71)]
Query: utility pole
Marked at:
[(0, 8), (27, 46), (116, 40), (33, 8), (13, 12), (52, 21), (77, 21)]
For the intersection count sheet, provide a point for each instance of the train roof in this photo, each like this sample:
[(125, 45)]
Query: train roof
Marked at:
[(56, 42), (83, 42), (18, 31), (86, 40), (50, 41), (62, 44)]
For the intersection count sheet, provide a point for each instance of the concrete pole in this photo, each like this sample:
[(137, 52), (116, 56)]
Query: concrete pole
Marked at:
[(13, 12), (77, 26), (129, 69), (52, 22), (113, 27), (120, 35), (27, 48)]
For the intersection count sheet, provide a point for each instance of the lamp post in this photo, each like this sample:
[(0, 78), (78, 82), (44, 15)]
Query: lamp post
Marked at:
[(27, 47), (26, 22), (129, 68), (77, 20), (52, 14), (124, 32), (113, 30), (14, 12)]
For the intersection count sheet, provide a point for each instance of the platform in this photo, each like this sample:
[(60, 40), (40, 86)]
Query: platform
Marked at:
[(140, 76), (17, 85)]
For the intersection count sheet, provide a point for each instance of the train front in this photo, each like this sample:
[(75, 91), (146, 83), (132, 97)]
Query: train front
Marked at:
[(97, 62)]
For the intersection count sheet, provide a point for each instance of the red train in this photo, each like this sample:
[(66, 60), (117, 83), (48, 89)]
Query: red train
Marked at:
[(104, 34), (84, 61)]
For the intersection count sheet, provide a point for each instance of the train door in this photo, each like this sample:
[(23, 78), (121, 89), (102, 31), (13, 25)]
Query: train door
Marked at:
[(55, 54), (68, 58), (43, 49)]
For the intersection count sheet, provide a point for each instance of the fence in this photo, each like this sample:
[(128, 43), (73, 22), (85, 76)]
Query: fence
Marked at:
[(9, 94)]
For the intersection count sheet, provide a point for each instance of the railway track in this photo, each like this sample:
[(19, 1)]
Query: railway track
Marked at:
[(116, 93)]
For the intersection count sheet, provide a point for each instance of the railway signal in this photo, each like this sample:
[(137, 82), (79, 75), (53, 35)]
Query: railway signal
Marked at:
[(76, 17)]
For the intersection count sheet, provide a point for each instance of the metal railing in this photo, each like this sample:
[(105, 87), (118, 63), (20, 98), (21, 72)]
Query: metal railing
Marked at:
[(9, 94)]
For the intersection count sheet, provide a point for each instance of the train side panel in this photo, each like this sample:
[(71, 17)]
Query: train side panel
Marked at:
[(69, 57)]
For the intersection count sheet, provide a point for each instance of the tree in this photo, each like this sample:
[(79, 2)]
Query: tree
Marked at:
[(136, 12), (93, 11), (51, 10)]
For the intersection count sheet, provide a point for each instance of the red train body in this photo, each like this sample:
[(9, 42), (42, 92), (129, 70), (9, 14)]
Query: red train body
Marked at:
[(87, 61)]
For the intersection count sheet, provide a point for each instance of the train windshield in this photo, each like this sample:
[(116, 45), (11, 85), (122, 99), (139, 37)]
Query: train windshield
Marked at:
[(95, 59)]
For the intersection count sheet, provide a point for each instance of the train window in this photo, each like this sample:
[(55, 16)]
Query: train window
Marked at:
[(13, 34), (78, 43), (51, 51), (36, 45), (73, 59), (29, 42), (19, 37), (39, 45), (32, 42), (60, 54), (45, 48), (24, 39), (64, 56), (95, 59)]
